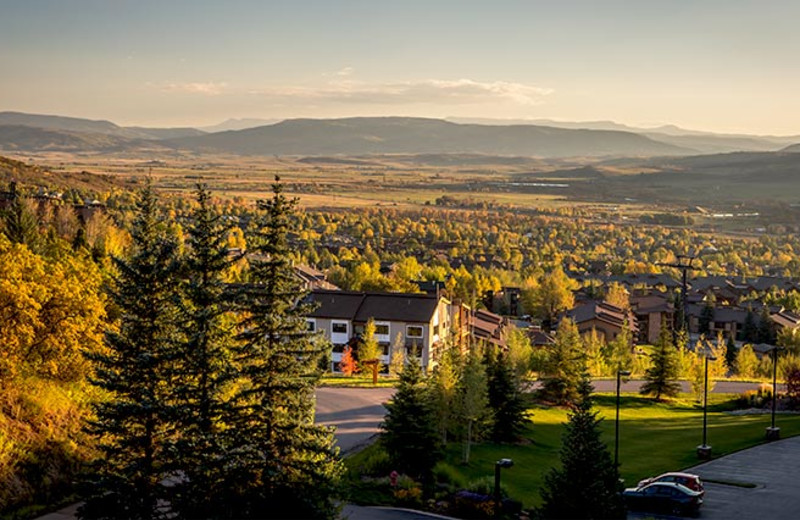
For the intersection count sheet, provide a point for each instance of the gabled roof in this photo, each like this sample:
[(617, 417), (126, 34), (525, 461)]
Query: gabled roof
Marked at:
[(361, 306), (602, 311), (651, 303), (786, 319)]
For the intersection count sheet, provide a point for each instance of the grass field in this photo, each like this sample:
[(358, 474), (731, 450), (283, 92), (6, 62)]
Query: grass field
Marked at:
[(654, 438), (357, 381)]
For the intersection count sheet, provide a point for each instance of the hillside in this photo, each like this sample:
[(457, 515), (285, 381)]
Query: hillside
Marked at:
[(795, 148), (35, 176), (386, 135), (28, 138), (89, 126)]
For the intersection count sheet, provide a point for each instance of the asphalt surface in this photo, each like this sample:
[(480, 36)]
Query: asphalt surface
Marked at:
[(355, 412), (773, 468), (720, 387)]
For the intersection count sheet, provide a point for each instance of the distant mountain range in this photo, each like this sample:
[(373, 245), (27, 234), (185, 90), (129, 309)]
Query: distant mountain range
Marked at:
[(380, 135), (699, 141), (76, 124)]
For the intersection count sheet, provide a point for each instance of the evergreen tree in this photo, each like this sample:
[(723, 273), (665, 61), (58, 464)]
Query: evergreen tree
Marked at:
[(20, 223), (564, 365), (663, 373), (206, 372), (750, 329), (706, 317), (135, 372), (287, 465), (730, 355), (506, 399), (587, 483), (766, 332), (409, 427)]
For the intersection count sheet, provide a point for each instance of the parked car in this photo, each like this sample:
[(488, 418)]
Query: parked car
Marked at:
[(664, 497), (692, 482)]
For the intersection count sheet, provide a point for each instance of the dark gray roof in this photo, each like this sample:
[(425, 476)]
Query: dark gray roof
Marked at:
[(397, 307), (341, 305), (361, 306)]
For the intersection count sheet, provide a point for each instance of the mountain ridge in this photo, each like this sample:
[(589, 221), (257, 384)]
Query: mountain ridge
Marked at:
[(365, 135)]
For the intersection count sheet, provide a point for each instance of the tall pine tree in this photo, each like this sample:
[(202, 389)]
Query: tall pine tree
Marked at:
[(587, 483), (564, 364), (287, 465), (135, 372), (506, 399), (663, 372), (205, 371), (409, 428)]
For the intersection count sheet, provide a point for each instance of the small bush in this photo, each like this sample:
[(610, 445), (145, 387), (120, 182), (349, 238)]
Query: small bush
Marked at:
[(485, 486)]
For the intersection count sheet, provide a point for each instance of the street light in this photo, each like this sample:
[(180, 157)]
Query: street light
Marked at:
[(773, 432), (704, 450), (502, 463), (620, 373)]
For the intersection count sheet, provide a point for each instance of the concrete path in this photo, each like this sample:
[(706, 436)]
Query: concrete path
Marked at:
[(353, 512)]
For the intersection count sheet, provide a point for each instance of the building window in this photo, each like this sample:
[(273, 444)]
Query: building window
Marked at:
[(384, 348), (414, 331), (338, 347), (382, 329), (312, 325), (339, 328)]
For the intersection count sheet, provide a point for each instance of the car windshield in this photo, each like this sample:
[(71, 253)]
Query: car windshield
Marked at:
[(684, 489)]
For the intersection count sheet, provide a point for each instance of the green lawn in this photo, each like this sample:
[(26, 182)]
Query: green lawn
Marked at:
[(357, 381), (654, 438)]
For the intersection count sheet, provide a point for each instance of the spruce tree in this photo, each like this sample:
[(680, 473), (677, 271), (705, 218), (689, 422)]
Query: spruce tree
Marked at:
[(750, 328), (663, 372), (205, 371), (506, 399), (20, 223), (135, 372), (730, 355), (564, 364), (587, 483), (287, 466), (409, 427)]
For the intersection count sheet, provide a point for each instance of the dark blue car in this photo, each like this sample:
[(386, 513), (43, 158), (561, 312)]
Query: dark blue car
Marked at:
[(664, 497)]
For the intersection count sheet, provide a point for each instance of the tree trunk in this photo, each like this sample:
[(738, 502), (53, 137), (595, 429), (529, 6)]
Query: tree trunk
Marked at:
[(468, 444)]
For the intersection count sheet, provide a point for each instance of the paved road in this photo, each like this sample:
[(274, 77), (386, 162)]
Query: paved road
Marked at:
[(775, 470), (355, 412), (721, 387)]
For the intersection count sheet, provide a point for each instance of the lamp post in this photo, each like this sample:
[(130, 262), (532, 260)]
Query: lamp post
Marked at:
[(620, 373), (704, 450), (773, 432), (502, 463)]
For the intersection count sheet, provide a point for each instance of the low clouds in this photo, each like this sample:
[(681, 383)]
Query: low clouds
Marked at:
[(433, 91), (207, 89)]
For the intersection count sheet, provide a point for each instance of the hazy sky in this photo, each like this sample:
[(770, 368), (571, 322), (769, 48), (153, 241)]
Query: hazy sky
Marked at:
[(726, 65)]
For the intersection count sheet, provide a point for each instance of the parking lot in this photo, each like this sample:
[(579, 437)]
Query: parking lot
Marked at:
[(773, 468)]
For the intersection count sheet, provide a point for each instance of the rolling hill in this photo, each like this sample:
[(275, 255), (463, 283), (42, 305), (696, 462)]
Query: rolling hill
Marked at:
[(89, 126), (36, 176), (384, 135), (29, 138), (795, 148)]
